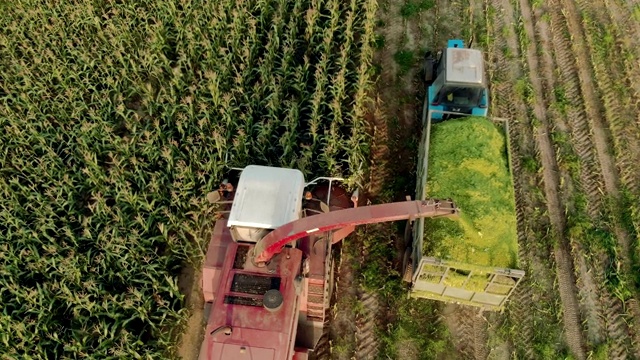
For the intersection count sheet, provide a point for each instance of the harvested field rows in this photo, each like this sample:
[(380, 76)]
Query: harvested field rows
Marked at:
[(573, 117)]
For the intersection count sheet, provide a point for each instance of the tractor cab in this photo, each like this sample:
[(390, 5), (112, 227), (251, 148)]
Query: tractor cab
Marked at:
[(456, 81)]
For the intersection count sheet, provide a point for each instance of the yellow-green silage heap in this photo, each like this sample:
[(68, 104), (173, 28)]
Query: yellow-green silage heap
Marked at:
[(468, 163)]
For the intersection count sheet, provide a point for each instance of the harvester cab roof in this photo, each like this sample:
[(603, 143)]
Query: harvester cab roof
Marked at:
[(265, 198)]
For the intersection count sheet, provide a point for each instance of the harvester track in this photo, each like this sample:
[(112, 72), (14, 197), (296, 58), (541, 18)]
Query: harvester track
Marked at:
[(619, 115), (460, 321), (366, 325), (591, 306), (618, 111), (520, 302)]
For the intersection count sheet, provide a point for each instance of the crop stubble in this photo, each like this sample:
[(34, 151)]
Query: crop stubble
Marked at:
[(619, 325), (586, 127), (547, 156)]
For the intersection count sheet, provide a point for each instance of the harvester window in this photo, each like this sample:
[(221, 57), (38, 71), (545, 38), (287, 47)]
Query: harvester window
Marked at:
[(460, 96)]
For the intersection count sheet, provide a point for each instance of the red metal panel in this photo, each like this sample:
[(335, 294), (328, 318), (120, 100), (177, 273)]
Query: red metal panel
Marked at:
[(275, 240), (301, 354), (340, 234), (212, 268), (253, 327)]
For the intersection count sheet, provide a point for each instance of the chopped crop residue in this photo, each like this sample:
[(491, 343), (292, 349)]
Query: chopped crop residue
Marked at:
[(468, 163)]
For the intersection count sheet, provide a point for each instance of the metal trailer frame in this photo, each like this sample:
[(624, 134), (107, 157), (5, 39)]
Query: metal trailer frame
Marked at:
[(419, 263)]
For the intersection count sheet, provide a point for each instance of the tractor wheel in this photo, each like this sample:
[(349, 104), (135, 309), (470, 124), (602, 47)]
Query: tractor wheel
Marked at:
[(428, 67), (407, 266)]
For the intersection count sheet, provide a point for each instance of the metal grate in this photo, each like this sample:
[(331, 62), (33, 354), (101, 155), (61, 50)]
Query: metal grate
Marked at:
[(242, 300), (254, 284)]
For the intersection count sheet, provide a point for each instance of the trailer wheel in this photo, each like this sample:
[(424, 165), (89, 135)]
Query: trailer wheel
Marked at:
[(407, 266), (408, 233)]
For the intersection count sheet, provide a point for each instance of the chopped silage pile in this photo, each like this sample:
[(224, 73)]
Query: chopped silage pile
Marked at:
[(468, 163)]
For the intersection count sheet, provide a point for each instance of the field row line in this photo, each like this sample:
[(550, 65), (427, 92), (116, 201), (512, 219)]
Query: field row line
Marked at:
[(591, 307), (565, 267)]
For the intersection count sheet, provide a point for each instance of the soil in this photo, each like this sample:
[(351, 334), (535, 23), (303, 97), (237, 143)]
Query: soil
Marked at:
[(190, 284), (342, 326)]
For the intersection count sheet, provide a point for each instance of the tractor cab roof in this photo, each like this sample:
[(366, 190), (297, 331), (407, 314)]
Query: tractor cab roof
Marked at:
[(267, 197), (464, 67)]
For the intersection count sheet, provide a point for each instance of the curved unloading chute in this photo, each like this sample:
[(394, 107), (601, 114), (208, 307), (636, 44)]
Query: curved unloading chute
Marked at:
[(273, 242)]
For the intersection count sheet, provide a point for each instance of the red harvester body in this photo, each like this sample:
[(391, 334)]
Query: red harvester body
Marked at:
[(268, 291)]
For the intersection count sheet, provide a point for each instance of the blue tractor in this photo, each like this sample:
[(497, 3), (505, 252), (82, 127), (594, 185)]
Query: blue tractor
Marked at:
[(456, 82)]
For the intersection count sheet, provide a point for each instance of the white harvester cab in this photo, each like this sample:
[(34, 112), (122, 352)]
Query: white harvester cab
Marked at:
[(265, 198)]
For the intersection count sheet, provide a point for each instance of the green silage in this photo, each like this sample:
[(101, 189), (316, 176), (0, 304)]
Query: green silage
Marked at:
[(468, 163)]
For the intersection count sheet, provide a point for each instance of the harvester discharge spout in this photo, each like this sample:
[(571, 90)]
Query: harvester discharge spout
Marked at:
[(273, 242)]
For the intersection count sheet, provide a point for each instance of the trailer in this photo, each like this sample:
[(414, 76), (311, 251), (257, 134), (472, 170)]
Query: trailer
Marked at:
[(431, 277)]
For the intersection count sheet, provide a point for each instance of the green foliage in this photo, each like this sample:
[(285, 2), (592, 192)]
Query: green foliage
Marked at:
[(467, 163), (599, 239), (411, 7), (600, 352), (531, 164), (405, 59), (117, 117), (524, 89), (417, 331), (636, 12), (561, 102), (628, 216), (379, 42)]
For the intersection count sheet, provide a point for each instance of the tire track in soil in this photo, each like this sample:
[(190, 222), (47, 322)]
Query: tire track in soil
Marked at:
[(380, 155), (481, 337), (460, 321), (564, 264), (519, 309), (366, 325), (588, 297), (190, 284), (627, 29), (620, 128), (342, 325), (322, 350), (582, 86), (617, 111)]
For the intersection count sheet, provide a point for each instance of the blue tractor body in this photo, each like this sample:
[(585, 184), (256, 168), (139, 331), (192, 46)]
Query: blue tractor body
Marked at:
[(456, 82)]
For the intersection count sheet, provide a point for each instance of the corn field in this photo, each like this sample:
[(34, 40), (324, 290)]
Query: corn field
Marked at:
[(117, 117)]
